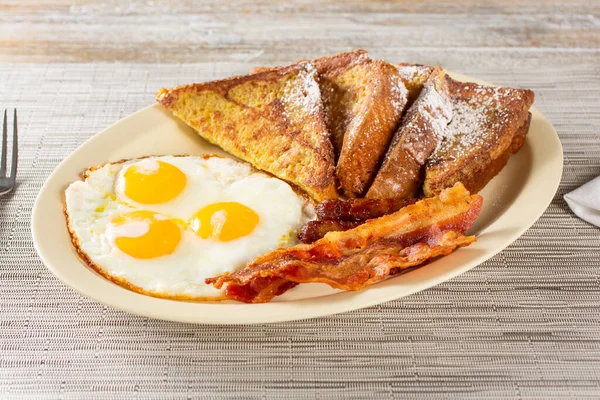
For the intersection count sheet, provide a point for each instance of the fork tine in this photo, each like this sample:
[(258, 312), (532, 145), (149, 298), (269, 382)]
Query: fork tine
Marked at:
[(3, 150), (15, 150)]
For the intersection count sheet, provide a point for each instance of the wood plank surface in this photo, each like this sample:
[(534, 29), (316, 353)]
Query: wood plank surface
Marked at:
[(270, 32)]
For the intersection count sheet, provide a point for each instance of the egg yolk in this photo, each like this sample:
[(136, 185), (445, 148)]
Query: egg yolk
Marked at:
[(224, 221), (145, 234), (153, 182)]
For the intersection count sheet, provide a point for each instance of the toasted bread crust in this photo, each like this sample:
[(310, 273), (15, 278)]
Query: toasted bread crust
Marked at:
[(402, 170), (273, 119), (323, 64), (519, 138), (489, 124), (367, 138)]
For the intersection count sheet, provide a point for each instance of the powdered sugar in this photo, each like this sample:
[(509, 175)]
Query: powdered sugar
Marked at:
[(304, 95), (436, 104), (409, 72), (477, 117), (399, 95)]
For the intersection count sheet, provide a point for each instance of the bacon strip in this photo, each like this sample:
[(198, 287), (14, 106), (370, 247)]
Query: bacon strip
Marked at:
[(359, 209), (359, 257), (341, 215), (315, 230)]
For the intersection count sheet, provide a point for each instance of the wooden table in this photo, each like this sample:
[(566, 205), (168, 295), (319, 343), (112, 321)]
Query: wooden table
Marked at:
[(462, 33), (525, 324)]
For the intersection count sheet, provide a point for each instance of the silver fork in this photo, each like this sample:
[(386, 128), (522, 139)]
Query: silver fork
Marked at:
[(7, 182)]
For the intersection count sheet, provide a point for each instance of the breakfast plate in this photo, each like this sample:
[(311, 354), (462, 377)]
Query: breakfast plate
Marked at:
[(513, 201)]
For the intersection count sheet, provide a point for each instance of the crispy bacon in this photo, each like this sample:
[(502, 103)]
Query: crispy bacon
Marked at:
[(361, 256), (315, 230), (341, 215), (261, 282), (359, 209)]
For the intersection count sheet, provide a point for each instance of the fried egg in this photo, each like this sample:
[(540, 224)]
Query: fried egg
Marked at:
[(162, 225)]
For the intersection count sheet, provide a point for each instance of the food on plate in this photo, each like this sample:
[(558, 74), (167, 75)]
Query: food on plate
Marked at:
[(415, 76), (359, 209), (420, 132), (210, 228), (273, 119), (488, 125), (340, 215), (358, 104), (363, 101), (345, 98), (341, 82), (315, 230), (362, 119), (375, 117), (359, 257), (162, 225)]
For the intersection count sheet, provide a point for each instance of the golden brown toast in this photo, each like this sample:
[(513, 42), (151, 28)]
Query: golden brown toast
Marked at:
[(363, 101), (274, 120), (339, 93), (375, 114), (402, 171), (489, 124), (340, 89)]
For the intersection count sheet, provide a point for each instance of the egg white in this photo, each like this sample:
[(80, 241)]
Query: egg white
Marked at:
[(92, 204)]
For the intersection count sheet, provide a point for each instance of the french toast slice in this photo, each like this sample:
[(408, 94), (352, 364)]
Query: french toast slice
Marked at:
[(273, 119), (381, 99), (341, 83), (489, 123), (403, 168)]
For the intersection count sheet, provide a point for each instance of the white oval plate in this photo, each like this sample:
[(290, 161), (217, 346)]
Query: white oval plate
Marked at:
[(513, 201)]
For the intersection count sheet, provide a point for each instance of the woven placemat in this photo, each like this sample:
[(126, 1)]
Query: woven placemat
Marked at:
[(525, 324)]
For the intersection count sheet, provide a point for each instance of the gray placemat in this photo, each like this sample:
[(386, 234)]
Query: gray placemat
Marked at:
[(525, 324)]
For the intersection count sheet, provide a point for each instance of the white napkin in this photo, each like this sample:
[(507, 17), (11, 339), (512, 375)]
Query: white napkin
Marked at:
[(585, 201)]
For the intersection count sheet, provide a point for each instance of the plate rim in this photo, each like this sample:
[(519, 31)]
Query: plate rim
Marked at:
[(221, 313)]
